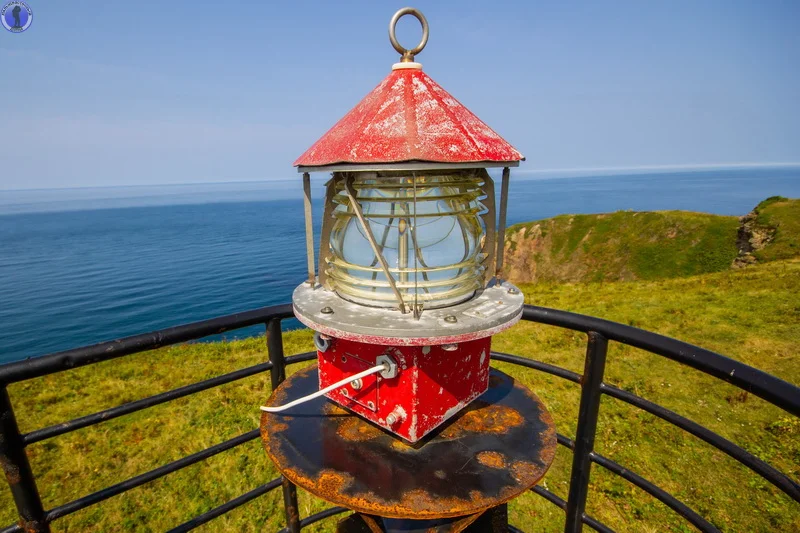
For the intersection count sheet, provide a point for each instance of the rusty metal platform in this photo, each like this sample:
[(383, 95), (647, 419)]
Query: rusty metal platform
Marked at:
[(498, 447)]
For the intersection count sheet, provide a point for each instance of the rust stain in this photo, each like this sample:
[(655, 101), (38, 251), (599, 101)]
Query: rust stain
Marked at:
[(354, 430), (492, 459), (524, 470), (334, 410), (484, 418), (402, 446), (328, 484), (275, 425), (422, 503), (11, 470), (31, 527)]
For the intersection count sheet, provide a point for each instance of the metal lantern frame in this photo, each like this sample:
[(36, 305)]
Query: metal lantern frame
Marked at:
[(342, 177), (494, 307)]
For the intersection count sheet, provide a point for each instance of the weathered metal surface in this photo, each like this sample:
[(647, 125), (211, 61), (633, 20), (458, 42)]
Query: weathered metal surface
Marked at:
[(501, 227), (432, 383), (307, 211), (408, 117), (278, 375), (495, 520), (368, 470), (491, 311), (16, 466), (588, 411), (404, 166)]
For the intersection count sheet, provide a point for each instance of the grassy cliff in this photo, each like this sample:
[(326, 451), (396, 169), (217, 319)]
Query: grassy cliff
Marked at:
[(778, 219), (629, 245), (750, 314)]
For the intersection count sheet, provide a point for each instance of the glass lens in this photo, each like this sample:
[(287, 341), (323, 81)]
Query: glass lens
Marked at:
[(427, 226)]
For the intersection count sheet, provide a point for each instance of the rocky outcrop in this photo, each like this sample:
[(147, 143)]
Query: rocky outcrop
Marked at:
[(751, 237)]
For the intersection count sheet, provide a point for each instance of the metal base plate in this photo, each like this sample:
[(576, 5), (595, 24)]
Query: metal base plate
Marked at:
[(490, 452), (492, 310)]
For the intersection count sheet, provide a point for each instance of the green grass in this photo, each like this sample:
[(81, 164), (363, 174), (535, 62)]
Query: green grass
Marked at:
[(624, 245), (783, 216), (752, 315)]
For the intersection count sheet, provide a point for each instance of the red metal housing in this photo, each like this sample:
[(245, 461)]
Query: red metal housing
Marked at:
[(409, 117), (433, 383)]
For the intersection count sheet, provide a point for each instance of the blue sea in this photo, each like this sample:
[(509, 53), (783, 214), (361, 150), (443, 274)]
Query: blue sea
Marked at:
[(80, 266)]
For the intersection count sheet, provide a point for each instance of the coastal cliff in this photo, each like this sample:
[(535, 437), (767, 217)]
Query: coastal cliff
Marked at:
[(630, 245)]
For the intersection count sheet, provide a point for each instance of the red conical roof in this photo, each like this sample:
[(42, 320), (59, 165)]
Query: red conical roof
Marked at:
[(409, 117)]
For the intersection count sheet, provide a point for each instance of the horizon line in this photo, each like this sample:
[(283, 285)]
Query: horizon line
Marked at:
[(701, 166)]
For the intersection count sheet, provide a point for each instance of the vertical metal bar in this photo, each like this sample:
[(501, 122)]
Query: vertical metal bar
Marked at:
[(325, 233), (351, 194), (278, 374), (290, 505), (593, 370), (309, 228), (501, 230), (275, 351), (18, 471), (490, 223)]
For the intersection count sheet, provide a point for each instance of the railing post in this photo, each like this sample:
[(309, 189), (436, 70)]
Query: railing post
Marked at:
[(594, 367), (278, 374), (18, 471)]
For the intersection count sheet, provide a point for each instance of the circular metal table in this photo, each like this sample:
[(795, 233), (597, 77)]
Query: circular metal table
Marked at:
[(496, 448)]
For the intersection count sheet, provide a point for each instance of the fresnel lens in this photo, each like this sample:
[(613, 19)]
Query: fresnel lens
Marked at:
[(411, 253), (428, 225)]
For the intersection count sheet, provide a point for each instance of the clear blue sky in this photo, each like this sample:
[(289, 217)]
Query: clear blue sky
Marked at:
[(120, 93)]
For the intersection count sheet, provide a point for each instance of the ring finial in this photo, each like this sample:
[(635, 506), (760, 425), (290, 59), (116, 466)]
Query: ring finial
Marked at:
[(408, 55)]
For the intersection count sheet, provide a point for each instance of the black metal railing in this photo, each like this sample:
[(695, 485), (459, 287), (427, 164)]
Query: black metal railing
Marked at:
[(34, 518)]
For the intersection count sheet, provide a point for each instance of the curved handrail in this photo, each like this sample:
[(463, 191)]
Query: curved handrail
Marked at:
[(35, 367), (772, 389), (775, 390)]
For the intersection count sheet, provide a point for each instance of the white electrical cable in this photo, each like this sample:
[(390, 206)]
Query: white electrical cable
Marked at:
[(326, 390)]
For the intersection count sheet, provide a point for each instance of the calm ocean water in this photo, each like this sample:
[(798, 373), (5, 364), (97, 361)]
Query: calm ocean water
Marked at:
[(79, 266)]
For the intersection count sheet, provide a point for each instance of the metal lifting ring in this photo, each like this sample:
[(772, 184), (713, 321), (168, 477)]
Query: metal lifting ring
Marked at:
[(408, 55)]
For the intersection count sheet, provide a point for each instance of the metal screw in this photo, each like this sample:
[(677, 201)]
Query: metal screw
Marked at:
[(326, 311), (391, 419), (513, 290), (371, 405), (450, 319), (344, 393), (356, 384)]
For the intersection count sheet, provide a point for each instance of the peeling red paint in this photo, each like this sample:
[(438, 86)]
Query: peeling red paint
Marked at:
[(409, 117), (432, 386)]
